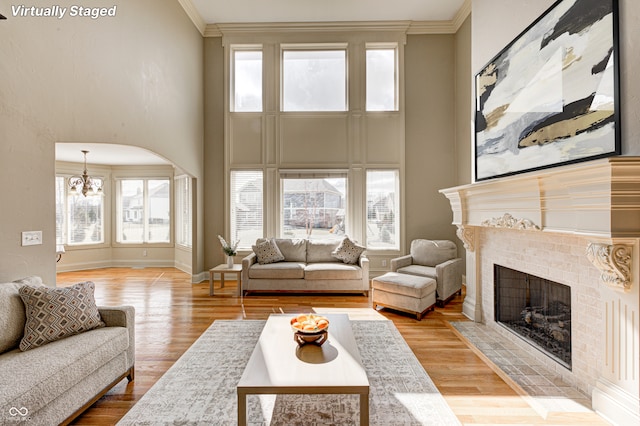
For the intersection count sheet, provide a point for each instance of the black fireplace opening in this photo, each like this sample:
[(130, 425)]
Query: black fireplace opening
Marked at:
[(536, 309)]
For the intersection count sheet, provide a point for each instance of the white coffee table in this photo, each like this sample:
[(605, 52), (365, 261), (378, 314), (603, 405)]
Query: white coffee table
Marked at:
[(279, 366)]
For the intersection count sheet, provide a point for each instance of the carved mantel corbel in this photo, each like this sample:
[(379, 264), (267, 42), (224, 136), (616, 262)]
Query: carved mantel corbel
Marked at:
[(467, 235), (614, 263)]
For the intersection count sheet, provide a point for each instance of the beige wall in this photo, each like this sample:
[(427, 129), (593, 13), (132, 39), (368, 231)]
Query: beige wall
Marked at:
[(464, 106), (214, 180), (132, 79), (430, 159)]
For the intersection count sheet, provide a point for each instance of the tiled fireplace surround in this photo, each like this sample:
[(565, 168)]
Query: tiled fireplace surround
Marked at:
[(578, 225)]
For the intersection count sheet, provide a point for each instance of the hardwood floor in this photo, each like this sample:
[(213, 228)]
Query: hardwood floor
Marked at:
[(171, 313)]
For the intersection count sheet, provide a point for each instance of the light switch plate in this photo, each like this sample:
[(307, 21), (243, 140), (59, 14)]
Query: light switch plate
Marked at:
[(31, 238)]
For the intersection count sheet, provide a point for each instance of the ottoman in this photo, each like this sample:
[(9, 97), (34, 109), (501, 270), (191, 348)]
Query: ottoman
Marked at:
[(403, 292)]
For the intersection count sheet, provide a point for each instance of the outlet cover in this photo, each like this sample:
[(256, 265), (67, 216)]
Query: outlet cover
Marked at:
[(31, 238)]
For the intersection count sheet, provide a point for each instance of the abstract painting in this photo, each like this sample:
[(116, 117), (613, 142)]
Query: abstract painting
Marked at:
[(551, 97)]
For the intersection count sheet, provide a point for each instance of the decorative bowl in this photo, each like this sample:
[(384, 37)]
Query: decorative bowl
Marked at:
[(309, 324)]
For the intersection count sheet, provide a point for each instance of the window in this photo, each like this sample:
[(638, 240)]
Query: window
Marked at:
[(246, 207), (314, 79), (247, 80), (183, 211), (79, 219), (144, 211), (383, 225), (382, 81), (313, 205)]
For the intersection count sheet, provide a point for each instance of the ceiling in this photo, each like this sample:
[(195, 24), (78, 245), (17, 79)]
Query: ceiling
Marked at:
[(107, 154), (256, 11), (243, 11)]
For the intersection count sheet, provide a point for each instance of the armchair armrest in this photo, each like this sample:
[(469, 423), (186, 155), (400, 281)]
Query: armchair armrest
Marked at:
[(449, 275), (122, 316), (401, 262)]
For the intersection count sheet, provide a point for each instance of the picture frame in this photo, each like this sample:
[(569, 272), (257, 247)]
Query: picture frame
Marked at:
[(551, 96)]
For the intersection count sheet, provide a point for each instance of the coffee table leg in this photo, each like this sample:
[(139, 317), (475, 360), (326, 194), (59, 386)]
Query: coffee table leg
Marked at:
[(364, 409), (242, 409)]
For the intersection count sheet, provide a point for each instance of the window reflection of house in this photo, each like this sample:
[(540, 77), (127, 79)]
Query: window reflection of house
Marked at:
[(311, 203), (248, 207), (133, 205)]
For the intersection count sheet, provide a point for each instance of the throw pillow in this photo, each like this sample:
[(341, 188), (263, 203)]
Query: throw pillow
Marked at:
[(348, 251), (54, 313), (267, 252)]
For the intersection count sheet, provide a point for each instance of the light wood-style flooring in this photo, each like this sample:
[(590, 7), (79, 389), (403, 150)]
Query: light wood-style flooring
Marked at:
[(171, 313)]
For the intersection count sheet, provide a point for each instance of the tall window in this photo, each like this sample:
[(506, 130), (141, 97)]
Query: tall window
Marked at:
[(382, 78), (183, 211), (247, 80), (144, 211), (313, 205), (383, 224), (246, 207), (79, 219), (314, 79)]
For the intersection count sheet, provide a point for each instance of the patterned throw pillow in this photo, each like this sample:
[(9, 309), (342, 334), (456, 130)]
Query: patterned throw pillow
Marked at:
[(54, 313), (348, 251), (267, 252)]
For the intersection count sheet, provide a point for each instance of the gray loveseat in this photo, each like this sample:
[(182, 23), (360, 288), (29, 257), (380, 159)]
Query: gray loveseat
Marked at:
[(308, 266), (53, 383)]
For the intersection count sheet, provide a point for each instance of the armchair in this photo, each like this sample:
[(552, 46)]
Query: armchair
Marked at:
[(436, 259)]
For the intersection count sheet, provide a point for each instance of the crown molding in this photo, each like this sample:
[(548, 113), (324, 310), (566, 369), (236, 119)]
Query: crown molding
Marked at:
[(462, 15), (194, 15), (306, 27), (408, 27)]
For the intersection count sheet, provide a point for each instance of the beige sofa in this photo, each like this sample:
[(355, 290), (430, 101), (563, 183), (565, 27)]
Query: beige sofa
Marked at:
[(53, 383), (308, 266)]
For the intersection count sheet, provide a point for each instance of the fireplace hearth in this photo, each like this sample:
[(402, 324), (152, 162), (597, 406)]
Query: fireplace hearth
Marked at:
[(535, 309)]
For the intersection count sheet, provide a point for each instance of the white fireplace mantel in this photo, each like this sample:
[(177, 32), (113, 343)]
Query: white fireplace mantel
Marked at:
[(598, 198)]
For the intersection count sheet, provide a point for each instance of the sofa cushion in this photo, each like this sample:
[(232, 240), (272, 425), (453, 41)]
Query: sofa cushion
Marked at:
[(267, 252), (279, 270), (320, 251), (12, 315), (54, 313), (432, 252), (348, 251), (293, 250), (406, 285), (35, 378), (332, 271), (419, 271)]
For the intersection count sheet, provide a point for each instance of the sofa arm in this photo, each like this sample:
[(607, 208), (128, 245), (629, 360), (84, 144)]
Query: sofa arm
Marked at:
[(449, 275), (247, 261), (122, 316), (401, 262), (363, 262)]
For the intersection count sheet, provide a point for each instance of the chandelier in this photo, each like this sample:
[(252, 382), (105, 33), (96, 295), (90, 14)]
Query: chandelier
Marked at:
[(85, 183)]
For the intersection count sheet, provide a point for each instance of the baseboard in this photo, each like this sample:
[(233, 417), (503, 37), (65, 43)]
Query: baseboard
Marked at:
[(615, 404)]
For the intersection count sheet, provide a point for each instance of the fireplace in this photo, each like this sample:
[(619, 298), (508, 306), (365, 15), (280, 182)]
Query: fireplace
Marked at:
[(535, 309)]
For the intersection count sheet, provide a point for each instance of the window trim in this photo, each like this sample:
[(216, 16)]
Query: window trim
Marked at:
[(232, 74), (105, 222), (396, 79), (398, 214), (338, 46), (117, 211), (311, 174)]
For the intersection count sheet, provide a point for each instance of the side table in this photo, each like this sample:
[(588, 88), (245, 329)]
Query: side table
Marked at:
[(224, 269)]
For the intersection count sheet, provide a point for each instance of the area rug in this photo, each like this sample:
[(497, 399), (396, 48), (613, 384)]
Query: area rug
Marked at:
[(200, 388)]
